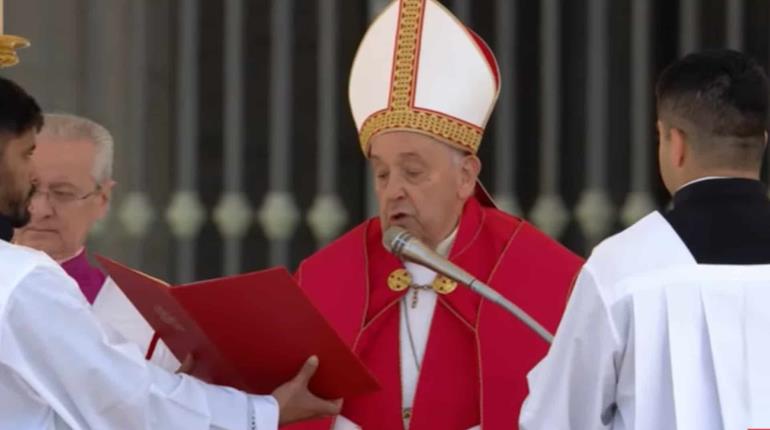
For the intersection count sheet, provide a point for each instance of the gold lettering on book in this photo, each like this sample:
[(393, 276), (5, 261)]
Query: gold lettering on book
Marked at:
[(168, 319)]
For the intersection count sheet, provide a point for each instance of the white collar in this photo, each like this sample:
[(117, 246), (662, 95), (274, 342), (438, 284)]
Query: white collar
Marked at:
[(445, 246), (77, 254), (703, 179)]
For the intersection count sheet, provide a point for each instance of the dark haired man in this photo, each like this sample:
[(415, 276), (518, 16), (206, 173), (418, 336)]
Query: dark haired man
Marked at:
[(60, 370), (667, 326)]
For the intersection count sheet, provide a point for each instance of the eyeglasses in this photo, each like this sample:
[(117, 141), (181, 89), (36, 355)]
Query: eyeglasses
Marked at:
[(58, 198)]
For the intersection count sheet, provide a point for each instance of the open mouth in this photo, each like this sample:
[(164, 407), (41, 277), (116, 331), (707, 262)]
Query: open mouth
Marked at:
[(398, 217)]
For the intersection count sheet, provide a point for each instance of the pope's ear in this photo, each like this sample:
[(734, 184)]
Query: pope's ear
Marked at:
[(470, 168)]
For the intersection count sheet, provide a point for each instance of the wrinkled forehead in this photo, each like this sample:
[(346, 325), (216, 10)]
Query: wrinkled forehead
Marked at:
[(46, 138), (70, 160), (406, 144)]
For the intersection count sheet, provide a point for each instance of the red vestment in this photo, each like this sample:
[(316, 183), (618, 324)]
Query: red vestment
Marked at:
[(477, 356)]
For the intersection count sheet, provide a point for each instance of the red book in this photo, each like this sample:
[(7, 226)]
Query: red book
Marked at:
[(252, 331)]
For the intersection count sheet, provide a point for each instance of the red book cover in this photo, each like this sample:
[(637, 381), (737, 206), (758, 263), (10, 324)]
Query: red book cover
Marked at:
[(252, 331)]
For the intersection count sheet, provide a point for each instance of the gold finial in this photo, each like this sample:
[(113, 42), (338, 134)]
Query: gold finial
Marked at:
[(9, 44)]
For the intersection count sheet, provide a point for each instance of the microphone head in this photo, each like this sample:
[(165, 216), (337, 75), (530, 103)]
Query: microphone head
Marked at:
[(395, 238)]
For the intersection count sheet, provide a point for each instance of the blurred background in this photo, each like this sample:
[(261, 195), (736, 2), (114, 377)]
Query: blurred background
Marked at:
[(235, 149)]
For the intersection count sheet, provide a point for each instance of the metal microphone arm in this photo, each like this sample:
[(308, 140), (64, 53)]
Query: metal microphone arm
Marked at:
[(493, 296), (403, 245)]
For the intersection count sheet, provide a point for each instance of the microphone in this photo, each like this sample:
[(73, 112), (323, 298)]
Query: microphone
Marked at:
[(402, 244)]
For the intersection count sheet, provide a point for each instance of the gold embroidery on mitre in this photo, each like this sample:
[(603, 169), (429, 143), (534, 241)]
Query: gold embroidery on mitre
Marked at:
[(400, 113), (405, 59), (444, 285), (464, 136), (399, 280)]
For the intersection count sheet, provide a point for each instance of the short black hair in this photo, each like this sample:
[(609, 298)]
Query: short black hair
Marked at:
[(19, 112), (719, 98)]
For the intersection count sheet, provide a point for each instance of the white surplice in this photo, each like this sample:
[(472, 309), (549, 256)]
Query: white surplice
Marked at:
[(653, 340), (60, 369)]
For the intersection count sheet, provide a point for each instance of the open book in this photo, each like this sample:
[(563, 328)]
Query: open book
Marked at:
[(252, 331)]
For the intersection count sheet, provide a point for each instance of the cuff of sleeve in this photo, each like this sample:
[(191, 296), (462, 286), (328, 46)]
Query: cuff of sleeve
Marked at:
[(264, 414)]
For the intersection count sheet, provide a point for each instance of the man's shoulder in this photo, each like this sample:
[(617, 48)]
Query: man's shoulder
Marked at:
[(521, 229), (647, 245), (499, 219), (16, 258), (17, 262), (354, 240), (631, 244)]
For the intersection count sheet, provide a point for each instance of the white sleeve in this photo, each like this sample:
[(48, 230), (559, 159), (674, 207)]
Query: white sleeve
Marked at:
[(163, 357), (55, 344), (573, 387), (342, 423)]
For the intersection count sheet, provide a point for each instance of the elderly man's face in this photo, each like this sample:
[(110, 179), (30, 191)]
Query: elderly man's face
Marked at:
[(68, 200), (421, 183)]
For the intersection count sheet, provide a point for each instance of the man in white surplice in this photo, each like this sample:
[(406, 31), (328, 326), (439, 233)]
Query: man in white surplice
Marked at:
[(73, 166), (668, 324), (60, 370)]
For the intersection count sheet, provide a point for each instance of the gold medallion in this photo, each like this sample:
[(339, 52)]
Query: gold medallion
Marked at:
[(399, 280), (444, 285)]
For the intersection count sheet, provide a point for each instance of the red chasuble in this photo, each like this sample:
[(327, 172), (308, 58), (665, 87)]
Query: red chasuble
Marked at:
[(477, 356)]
